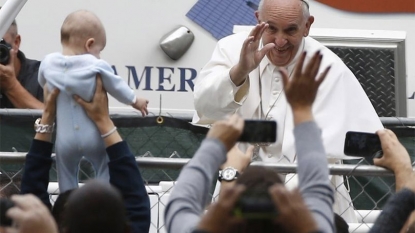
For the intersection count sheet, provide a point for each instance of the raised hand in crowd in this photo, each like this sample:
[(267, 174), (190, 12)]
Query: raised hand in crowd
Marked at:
[(227, 131), (293, 214), (395, 157), (251, 55), (301, 89), (30, 215), (238, 160), (220, 217)]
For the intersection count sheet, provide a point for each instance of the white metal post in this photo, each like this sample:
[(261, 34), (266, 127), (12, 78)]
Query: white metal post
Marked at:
[(8, 13)]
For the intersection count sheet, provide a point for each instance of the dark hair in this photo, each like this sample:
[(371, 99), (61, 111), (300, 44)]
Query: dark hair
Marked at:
[(257, 181), (96, 207), (259, 178), (58, 210)]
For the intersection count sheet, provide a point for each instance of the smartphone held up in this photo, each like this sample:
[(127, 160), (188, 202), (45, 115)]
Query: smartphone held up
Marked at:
[(259, 131), (362, 144)]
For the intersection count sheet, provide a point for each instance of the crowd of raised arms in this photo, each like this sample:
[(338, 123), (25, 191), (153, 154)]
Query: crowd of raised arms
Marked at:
[(273, 72)]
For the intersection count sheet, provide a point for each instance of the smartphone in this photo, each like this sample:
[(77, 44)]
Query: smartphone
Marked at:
[(259, 131), (362, 144), (251, 207)]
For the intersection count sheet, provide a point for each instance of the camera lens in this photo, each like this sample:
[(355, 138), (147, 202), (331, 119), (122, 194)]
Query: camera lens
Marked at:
[(4, 54)]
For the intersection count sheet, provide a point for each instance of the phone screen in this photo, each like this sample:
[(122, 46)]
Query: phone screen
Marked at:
[(255, 208), (259, 131), (361, 144)]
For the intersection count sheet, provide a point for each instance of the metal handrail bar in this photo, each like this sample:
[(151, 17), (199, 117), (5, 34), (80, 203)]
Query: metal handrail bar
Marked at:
[(117, 113), (178, 163)]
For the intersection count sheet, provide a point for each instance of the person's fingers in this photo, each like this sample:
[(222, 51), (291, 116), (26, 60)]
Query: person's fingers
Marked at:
[(299, 67), (310, 67), (99, 84), (26, 201), (247, 42), (54, 95), (231, 196), (391, 134), (256, 32), (15, 213), (233, 119), (323, 76), (80, 101), (265, 49), (250, 151), (45, 92), (385, 137), (382, 133), (378, 161), (285, 77), (234, 221), (239, 124), (262, 30), (13, 55), (316, 66), (278, 194)]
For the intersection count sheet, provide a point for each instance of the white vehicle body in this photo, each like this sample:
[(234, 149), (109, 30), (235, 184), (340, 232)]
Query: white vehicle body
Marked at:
[(134, 30)]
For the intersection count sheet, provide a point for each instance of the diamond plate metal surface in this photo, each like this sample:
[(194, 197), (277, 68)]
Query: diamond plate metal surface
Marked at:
[(375, 70)]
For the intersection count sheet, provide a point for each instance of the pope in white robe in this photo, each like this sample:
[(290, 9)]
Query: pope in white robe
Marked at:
[(341, 104)]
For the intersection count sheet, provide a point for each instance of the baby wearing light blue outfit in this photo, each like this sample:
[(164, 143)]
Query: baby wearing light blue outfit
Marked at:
[(74, 72)]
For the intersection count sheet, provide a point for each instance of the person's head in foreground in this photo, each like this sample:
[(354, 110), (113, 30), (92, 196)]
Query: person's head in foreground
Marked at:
[(96, 207)]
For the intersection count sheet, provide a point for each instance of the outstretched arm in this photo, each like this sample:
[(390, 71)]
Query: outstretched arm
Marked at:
[(399, 207), (35, 178), (190, 194), (123, 169), (312, 168)]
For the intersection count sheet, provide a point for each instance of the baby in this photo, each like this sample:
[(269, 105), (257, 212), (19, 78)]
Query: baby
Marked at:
[(74, 72)]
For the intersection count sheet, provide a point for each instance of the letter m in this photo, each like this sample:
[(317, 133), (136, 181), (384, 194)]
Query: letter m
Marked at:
[(146, 74)]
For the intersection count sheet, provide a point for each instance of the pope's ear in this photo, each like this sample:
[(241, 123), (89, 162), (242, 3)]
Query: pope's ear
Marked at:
[(257, 17), (308, 24)]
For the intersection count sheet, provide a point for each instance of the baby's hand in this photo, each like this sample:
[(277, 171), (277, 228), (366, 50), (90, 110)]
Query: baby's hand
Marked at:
[(141, 105)]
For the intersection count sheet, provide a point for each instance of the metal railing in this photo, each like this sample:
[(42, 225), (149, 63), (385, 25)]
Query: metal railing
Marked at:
[(164, 149)]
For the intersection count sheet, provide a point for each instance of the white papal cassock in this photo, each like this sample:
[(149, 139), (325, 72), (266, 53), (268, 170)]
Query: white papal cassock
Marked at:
[(341, 105)]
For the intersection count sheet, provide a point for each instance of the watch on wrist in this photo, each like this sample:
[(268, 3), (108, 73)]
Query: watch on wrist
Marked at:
[(39, 128), (228, 174)]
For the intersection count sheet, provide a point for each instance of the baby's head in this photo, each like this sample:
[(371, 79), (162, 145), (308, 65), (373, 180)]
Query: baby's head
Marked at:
[(82, 32)]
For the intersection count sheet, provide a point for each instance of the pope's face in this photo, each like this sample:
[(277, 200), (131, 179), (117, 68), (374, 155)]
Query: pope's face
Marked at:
[(287, 27)]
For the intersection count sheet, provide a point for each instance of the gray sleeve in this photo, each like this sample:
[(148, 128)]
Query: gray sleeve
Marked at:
[(395, 212), (191, 192), (115, 85), (313, 174)]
